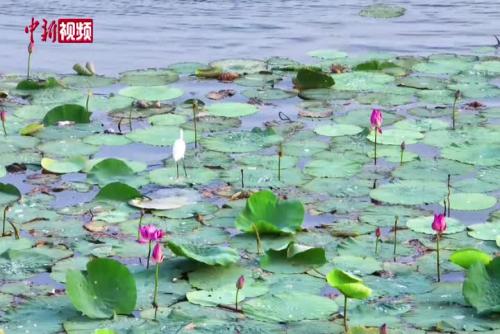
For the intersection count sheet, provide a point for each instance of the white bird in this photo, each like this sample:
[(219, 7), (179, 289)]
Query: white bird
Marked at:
[(178, 152)]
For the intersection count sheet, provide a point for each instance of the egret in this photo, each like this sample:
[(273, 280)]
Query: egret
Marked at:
[(178, 152)]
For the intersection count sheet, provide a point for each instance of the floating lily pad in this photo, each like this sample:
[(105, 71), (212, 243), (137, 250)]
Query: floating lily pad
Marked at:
[(231, 109), (424, 225), (336, 130), (240, 65), (71, 165), (68, 112), (268, 94), (382, 11), (159, 135), (149, 77), (468, 256), (288, 307), (309, 78), (471, 201), (151, 93), (117, 191), (410, 192), (210, 255), (485, 231), (396, 137), (243, 141)]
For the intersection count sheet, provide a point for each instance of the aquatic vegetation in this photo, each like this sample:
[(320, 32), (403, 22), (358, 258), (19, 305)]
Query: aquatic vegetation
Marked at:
[(105, 289), (350, 286), (266, 163), (439, 226), (3, 118), (376, 120), (240, 284)]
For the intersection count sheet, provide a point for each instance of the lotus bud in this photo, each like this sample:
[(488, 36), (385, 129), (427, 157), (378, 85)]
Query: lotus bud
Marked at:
[(383, 329), (3, 116), (90, 66), (378, 232), (439, 223), (240, 283), (158, 256), (376, 120)]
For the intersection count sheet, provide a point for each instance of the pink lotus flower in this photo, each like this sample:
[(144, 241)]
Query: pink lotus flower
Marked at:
[(439, 223), (378, 232), (158, 256), (159, 234), (240, 283), (383, 329), (376, 120), (3, 116), (147, 233)]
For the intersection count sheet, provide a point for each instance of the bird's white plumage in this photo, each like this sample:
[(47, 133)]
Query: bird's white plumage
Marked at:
[(179, 148)]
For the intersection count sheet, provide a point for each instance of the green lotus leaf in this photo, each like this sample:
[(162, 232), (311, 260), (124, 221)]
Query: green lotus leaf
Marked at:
[(30, 129), (151, 93), (351, 286), (149, 77), (207, 254), (471, 201), (240, 65), (270, 215), (70, 165), (241, 141), (374, 65), (8, 193), (362, 81), (468, 256), (480, 154), (327, 54), (396, 137), (410, 192), (336, 130), (159, 135), (382, 11), (289, 307), (67, 112), (484, 231), (268, 94), (113, 170), (293, 258), (30, 84), (482, 286), (117, 191), (309, 78), (105, 289), (424, 225), (231, 109)]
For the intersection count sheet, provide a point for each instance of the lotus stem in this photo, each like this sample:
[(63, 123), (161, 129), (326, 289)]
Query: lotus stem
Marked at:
[(444, 205), (195, 109), (437, 260), (346, 328), (87, 102), (4, 219), (376, 246), (236, 302), (16, 231), (130, 120), (395, 235), (184, 167), (449, 192), (149, 255), (4, 129), (242, 179), (280, 154), (155, 296), (257, 238), (375, 149), (29, 65), (140, 225), (457, 95)]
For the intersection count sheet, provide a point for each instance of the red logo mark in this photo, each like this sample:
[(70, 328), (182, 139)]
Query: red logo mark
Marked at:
[(75, 30)]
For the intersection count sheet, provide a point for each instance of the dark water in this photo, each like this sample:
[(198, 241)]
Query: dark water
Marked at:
[(148, 33)]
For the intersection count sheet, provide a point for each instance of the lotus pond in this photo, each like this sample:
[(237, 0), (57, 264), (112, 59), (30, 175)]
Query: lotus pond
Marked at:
[(277, 209)]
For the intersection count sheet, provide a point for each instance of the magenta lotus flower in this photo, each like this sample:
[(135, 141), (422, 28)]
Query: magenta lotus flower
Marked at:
[(376, 120), (147, 233), (378, 232), (159, 234), (158, 256), (439, 223)]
